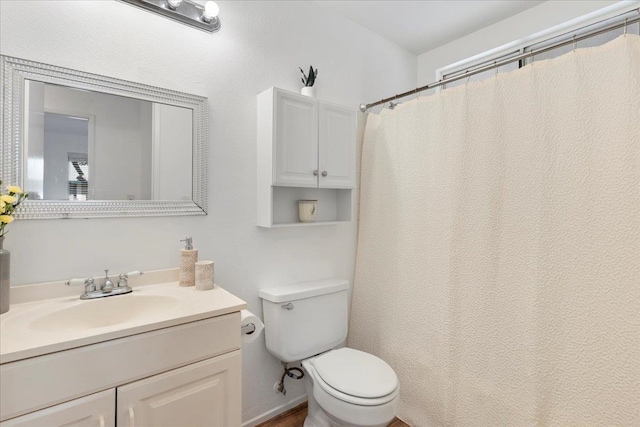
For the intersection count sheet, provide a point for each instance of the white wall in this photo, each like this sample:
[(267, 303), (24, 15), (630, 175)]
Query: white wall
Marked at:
[(261, 44), (34, 133), (172, 152), (531, 21)]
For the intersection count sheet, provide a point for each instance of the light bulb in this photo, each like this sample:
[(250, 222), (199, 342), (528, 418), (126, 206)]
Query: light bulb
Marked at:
[(173, 4), (210, 12)]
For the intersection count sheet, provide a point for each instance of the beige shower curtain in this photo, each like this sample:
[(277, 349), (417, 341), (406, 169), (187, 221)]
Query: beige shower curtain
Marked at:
[(498, 267)]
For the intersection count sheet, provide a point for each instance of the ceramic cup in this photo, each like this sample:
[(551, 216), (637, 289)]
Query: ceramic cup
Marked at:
[(307, 210)]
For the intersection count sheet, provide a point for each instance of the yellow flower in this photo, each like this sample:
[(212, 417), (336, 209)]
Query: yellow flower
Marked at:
[(7, 198), (14, 189), (6, 219)]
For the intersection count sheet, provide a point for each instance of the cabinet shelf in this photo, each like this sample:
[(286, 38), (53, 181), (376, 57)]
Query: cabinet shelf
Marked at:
[(334, 205), (308, 224)]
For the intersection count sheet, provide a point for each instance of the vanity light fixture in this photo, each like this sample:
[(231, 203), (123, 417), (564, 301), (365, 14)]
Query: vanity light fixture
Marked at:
[(185, 11)]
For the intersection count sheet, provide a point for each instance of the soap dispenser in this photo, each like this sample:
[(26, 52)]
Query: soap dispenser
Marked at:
[(188, 258)]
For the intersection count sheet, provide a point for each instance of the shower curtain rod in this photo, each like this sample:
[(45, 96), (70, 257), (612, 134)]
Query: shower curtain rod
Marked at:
[(497, 64)]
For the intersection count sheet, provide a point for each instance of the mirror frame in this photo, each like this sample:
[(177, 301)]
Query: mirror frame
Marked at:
[(14, 72)]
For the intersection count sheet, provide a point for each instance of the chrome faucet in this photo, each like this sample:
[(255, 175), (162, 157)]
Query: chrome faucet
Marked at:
[(107, 288)]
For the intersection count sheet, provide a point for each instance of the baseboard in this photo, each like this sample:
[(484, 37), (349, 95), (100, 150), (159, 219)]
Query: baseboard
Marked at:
[(402, 420), (274, 412)]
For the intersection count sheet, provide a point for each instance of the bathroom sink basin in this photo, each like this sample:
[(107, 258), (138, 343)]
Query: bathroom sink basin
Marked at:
[(104, 312)]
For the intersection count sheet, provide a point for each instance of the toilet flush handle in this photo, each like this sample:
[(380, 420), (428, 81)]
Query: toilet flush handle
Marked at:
[(287, 306)]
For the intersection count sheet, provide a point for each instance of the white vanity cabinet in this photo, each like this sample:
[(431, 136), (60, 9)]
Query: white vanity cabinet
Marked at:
[(306, 150), (183, 375)]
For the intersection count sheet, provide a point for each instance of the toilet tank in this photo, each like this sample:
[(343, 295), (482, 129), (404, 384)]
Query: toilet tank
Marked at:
[(305, 319)]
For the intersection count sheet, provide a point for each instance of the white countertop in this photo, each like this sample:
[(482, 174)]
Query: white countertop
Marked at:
[(34, 328)]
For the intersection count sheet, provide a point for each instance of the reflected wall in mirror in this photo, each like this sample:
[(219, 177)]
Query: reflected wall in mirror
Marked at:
[(85, 145)]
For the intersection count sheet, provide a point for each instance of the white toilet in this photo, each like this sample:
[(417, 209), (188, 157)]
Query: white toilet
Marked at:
[(345, 387)]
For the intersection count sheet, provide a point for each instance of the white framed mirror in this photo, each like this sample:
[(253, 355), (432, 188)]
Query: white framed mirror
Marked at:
[(85, 145)]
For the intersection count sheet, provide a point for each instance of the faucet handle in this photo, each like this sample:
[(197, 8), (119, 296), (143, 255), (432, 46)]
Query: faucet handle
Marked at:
[(123, 278), (89, 283), (75, 282)]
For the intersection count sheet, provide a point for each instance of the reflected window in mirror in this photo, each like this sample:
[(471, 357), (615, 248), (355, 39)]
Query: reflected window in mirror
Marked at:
[(78, 176)]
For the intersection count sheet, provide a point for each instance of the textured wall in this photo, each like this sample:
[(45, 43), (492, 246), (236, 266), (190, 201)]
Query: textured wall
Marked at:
[(498, 266), (261, 44)]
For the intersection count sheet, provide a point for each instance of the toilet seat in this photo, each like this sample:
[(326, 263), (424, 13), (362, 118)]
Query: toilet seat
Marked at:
[(346, 410), (355, 377)]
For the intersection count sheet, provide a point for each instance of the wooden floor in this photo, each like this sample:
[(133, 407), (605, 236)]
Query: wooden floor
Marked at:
[(295, 418)]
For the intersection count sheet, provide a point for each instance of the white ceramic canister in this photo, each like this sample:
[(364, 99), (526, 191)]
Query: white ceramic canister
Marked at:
[(307, 210)]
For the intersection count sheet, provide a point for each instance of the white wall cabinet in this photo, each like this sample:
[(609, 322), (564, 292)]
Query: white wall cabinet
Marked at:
[(306, 150)]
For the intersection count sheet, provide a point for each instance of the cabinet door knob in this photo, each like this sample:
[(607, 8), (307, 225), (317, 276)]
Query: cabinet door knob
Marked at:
[(315, 172), (324, 173)]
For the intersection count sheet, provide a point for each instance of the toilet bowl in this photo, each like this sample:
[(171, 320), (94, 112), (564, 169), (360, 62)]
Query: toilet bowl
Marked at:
[(350, 388), (308, 322)]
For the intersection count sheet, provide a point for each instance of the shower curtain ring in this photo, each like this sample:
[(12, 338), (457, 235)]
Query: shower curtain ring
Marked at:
[(625, 25), (495, 63), (468, 77), (575, 43)]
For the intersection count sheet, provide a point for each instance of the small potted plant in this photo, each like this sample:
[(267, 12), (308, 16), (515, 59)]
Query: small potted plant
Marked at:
[(9, 201), (308, 81)]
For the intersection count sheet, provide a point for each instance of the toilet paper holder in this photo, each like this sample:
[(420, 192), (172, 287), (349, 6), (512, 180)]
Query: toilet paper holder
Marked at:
[(248, 329)]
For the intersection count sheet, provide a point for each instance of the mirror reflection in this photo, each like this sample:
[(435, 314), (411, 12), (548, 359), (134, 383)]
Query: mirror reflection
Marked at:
[(84, 145)]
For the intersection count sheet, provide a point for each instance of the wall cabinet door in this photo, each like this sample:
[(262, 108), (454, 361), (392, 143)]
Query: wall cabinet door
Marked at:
[(95, 410), (336, 147), (296, 140), (203, 394)]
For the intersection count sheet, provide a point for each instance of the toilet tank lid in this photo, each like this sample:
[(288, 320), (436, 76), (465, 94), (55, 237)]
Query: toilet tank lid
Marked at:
[(303, 290)]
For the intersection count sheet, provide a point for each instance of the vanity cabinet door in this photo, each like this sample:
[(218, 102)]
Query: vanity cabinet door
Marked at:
[(296, 137), (95, 410), (336, 149), (204, 394)]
